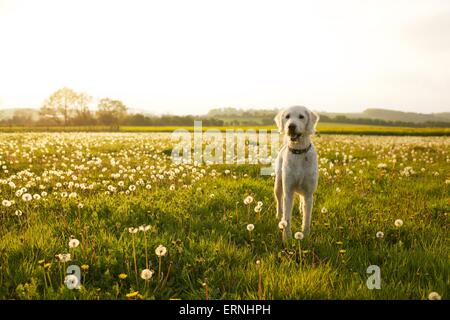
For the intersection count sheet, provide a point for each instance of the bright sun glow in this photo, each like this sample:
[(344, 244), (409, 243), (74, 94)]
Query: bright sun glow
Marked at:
[(190, 56)]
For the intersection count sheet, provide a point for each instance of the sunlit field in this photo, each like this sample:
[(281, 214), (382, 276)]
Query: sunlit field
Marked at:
[(141, 227), (322, 128)]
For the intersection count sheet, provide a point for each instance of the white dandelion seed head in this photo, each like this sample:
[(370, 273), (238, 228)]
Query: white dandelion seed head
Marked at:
[(147, 274), (299, 235), (250, 227), (282, 224), (248, 200), (434, 296), (27, 197), (324, 210), (380, 234), (72, 282), (398, 223), (73, 243), (64, 257), (161, 251), (6, 203)]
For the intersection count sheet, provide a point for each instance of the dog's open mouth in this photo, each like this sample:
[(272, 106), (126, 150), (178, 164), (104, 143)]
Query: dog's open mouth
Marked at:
[(295, 137)]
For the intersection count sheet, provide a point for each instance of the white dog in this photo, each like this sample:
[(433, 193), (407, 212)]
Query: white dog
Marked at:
[(296, 165)]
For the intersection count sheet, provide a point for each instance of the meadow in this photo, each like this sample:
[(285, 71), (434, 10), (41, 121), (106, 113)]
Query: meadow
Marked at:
[(141, 227), (322, 128)]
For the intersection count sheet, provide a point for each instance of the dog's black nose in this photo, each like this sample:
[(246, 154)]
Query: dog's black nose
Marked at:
[(291, 127)]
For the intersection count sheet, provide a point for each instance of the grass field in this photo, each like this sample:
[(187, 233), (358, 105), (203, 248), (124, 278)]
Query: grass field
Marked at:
[(94, 187), (323, 128)]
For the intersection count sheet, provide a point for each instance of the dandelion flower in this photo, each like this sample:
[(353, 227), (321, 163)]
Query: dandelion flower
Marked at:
[(248, 200), (72, 282), (324, 210), (398, 223), (161, 251), (382, 166), (434, 296), (144, 228), (132, 294), (84, 267), (250, 227), (73, 243), (122, 276), (133, 230), (64, 257), (6, 203), (282, 224), (146, 274), (380, 234), (299, 235), (27, 197)]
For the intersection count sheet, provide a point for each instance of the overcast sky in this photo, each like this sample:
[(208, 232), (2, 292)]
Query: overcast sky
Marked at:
[(190, 56)]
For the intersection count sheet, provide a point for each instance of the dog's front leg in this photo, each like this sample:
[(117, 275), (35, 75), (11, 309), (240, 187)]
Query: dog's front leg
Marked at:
[(279, 194), (287, 210), (307, 211)]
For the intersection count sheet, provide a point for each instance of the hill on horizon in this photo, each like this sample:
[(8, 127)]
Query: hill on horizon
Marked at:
[(229, 114), (394, 115)]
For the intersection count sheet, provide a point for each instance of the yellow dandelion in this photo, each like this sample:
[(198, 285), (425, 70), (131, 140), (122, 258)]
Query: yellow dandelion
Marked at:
[(132, 294), (123, 276)]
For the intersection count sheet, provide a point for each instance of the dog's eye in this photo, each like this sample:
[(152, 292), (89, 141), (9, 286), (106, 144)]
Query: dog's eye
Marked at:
[(301, 116), (287, 116)]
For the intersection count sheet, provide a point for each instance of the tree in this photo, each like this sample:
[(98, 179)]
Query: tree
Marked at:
[(111, 112), (60, 105), (22, 117), (83, 116)]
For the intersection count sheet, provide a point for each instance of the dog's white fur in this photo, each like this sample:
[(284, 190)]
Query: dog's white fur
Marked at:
[(296, 173)]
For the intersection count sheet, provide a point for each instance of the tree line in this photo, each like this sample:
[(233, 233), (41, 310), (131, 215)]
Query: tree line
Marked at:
[(66, 107)]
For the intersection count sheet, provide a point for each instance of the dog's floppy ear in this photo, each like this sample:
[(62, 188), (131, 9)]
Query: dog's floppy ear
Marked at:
[(279, 121), (313, 118)]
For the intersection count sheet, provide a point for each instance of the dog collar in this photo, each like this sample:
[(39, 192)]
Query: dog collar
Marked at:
[(300, 151)]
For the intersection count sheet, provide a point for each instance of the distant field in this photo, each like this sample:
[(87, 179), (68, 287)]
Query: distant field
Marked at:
[(323, 128)]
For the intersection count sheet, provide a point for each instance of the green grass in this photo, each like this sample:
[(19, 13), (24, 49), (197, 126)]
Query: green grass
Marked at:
[(203, 220), (322, 128)]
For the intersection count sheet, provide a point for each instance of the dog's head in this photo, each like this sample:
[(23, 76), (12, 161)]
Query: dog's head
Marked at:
[(296, 121)]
